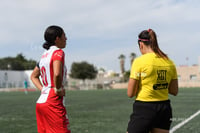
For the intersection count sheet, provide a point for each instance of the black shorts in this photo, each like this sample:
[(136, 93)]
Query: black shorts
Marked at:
[(149, 115)]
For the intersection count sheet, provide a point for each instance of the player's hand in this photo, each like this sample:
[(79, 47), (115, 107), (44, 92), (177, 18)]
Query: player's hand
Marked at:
[(60, 92)]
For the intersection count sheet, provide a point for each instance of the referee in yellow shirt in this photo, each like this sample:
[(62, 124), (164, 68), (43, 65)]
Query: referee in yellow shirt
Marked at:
[(153, 76)]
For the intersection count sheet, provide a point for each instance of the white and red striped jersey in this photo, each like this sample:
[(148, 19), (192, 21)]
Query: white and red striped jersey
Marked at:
[(47, 74)]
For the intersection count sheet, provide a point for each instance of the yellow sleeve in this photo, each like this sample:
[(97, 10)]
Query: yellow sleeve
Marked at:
[(135, 70)]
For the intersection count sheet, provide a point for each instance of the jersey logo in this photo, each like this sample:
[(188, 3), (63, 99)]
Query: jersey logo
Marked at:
[(58, 54), (140, 75), (161, 80), (161, 75)]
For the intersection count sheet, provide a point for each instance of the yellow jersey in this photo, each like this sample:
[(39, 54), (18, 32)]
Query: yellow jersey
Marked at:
[(154, 74)]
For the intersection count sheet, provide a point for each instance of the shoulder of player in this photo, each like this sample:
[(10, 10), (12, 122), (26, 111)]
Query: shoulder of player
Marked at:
[(142, 58), (59, 51), (146, 59), (58, 54), (56, 50)]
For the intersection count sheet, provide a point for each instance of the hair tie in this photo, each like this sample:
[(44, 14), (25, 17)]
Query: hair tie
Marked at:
[(149, 30)]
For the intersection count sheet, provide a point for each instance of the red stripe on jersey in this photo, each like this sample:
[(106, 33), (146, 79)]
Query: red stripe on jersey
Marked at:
[(57, 55)]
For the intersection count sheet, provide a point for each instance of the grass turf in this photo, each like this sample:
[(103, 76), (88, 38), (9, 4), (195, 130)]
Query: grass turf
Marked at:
[(93, 111)]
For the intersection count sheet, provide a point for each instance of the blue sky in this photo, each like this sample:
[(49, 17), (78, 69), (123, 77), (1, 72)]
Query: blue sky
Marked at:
[(99, 31)]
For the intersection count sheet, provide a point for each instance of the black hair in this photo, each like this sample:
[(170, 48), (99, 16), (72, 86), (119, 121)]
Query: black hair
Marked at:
[(149, 38), (50, 35)]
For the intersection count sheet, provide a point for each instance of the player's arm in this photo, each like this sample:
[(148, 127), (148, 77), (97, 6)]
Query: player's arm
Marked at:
[(173, 87), (35, 78), (57, 69), (132, 87)]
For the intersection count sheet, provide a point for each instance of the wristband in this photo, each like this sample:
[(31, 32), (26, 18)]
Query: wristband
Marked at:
[(57, 90)]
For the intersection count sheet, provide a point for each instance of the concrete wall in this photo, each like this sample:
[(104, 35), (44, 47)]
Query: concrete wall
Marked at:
[(14, 79)]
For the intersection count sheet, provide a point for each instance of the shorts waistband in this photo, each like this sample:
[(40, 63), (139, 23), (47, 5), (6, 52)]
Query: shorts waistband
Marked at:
[(166, 101)]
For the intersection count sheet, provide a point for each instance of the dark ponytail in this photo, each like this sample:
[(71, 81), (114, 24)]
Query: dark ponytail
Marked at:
[(149, 38), (46, 45), (50, 35)]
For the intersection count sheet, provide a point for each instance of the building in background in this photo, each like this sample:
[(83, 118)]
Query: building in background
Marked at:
[(188, 76)]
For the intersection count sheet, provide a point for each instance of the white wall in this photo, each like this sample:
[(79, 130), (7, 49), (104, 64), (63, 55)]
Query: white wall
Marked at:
[(14, 79)]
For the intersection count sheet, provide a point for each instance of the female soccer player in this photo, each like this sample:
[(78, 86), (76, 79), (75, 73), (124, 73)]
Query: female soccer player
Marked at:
[(153, 76), (50, 112)]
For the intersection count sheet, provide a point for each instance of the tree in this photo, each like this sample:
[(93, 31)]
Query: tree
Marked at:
[(83, 70), (17, 63), (102, 69), (126, 76), (122, 62), (132, 57), (20, 57)]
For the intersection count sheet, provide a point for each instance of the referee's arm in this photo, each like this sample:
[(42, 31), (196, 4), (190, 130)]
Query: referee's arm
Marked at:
[(132, 87), (173, 87)]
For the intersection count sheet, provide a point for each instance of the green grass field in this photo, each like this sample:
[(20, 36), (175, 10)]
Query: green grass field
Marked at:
[(94, 111)]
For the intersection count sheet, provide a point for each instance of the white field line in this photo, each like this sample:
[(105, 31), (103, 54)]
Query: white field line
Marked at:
[(184, 122)]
